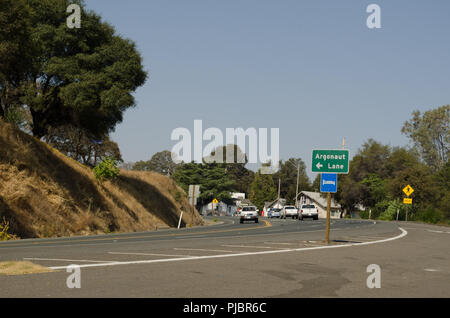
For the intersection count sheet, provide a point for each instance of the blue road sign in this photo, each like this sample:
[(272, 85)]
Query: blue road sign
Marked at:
[(328, 182)]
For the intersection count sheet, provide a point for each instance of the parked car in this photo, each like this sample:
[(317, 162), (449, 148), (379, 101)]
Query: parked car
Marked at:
[(308, 211), (249, 213), (274, 213), (289, 211)]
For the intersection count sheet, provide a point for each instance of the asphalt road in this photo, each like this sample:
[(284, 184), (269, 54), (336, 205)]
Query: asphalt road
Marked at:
[(274, 258)]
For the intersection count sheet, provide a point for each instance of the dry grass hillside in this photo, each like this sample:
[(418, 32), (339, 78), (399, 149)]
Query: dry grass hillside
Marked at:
[(43, 193)]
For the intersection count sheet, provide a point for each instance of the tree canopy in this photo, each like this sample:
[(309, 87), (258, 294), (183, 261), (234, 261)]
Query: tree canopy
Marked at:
[(160, 162), (84, 76), (212, 177), (262, 189), (430, 134), (287, 174)]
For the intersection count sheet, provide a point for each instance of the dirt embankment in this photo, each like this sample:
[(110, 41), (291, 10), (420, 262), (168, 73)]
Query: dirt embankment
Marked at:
[(44, 193)]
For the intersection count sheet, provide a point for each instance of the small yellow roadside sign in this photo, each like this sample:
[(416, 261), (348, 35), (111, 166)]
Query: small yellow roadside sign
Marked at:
[(408, 190), (407, 200), (215, 201)]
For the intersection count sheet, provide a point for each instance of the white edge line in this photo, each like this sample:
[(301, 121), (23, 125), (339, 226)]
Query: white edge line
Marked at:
[(65, 260), (404, 233), (149, 254), (276, 243), (201, 249), (249, 246)]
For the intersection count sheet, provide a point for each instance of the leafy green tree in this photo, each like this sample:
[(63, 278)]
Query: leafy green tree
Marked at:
[(235, 166), (17, 54), (430, 134), (82, 146), (287, 174), (241, 176), (217, 183), (349, 192), (442, 182), (373, 190), (262, 189), (160, 162), (212, 177), (84, 77), (369, 161), (316, 184), (188, 173)]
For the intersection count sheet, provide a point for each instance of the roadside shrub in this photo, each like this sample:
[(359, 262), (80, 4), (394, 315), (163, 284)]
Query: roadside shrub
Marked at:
[(391, 212), (428, 215), (178, 195), (4, 227), (364, 214), (379, 208), (106, 170)]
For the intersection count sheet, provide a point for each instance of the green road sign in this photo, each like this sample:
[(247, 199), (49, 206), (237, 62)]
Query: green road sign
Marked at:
[(330, 161)]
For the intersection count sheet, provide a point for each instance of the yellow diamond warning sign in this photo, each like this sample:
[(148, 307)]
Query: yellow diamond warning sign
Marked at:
[(408, 190), (215, 201)]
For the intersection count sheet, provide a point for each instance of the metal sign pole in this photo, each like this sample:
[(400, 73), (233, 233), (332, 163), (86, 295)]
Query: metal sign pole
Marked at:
[(181, 217), (193, 194), (327, 234)]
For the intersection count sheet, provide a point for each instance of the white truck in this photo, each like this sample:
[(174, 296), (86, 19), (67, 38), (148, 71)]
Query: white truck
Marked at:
[(308, 211), (289, 211), (249, 213)]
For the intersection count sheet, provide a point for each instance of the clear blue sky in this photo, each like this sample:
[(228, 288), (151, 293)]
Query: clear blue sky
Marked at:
[(311, 68)]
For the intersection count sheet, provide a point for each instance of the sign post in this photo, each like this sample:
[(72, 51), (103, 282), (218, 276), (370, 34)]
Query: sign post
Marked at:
[(329, 163), (327, 232), (328, 184), (408, 190), (214, 205), (194, 192)]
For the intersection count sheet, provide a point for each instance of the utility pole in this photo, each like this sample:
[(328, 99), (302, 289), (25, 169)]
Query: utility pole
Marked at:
[(298, 177), (279, 184), (193, 209), (343, 147), (296, 191)]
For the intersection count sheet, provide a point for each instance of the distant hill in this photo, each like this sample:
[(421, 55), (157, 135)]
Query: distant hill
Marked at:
[(44, 193)]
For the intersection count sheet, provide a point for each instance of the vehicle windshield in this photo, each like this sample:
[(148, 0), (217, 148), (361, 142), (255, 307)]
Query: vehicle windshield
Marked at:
[(308, 206), (249, 208), (276, 210), (289, 207)]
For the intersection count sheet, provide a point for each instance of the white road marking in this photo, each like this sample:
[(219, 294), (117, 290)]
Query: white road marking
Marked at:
[(149, 254), (200, 249), (164, 240), (433, 231), (404, 233), (277, 243), (248, 246), (431, 270), (64, 260)]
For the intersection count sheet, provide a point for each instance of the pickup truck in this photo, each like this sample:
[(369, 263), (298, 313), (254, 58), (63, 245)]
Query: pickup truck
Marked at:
[(249, 213), (289, 211), (308, 211)]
